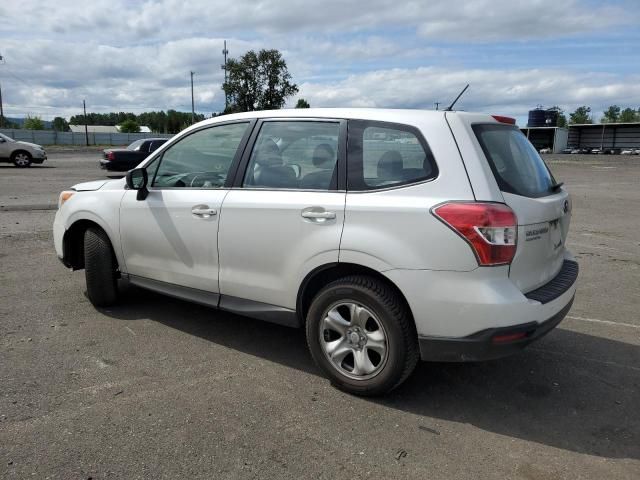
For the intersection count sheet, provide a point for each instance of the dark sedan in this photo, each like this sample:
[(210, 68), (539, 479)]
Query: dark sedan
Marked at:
[(123, 159)]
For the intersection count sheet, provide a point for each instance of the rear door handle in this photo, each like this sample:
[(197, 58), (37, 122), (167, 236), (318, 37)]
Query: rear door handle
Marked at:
[(318, 215), (203, 211)]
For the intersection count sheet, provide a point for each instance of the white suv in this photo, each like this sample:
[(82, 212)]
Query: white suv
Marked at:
[(390, 235)]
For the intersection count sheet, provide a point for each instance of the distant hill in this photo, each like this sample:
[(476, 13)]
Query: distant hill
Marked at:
[(20, 122)]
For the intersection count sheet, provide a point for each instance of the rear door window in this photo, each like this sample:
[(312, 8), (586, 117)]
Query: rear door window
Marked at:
[(515, 163), (384, 155), (301, 155)]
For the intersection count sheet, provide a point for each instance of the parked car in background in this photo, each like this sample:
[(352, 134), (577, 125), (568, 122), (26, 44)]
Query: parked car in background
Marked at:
[(123, 159), (449, 246), (636, 151), (596, 151), (568, 150), (627, 151), (21, 154), (546, 150)]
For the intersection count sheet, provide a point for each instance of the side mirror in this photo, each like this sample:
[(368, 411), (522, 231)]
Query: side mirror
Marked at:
[(137, 180)]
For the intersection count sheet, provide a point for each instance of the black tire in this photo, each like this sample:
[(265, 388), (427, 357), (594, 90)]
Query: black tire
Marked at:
[(100, 268), (21, 159), (390, 310)]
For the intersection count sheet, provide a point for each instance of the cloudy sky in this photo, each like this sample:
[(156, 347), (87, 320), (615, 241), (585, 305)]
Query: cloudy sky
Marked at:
[(136, 56)]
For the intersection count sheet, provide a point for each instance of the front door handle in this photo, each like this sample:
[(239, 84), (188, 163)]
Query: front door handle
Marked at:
[(203, 211), (316, 215)]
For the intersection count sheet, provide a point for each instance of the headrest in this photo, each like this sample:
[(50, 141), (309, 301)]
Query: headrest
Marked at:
[(323, 156), (390, 165), (268, 154)]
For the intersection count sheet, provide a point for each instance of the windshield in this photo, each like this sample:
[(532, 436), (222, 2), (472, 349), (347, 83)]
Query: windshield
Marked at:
[(8, 139), (135, 144), (515, 163)]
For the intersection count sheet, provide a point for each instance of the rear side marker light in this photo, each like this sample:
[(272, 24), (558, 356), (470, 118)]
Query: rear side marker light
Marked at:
[(491, 229)]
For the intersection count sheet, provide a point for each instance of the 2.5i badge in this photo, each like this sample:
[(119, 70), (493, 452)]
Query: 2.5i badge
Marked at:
[(535, 232)]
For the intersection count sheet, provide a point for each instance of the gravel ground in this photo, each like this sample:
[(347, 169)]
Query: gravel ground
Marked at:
[(160, 388)]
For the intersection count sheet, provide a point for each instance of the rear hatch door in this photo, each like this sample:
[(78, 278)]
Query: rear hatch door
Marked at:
[(542, 207)]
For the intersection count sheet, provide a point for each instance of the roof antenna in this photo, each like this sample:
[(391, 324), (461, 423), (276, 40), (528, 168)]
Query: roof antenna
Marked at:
[(448, 109)]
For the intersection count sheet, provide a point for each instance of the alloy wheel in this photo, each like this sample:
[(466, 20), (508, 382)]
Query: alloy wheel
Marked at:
[(354, 340)]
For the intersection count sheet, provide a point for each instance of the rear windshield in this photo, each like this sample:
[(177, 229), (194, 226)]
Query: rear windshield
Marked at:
[(515, 162)]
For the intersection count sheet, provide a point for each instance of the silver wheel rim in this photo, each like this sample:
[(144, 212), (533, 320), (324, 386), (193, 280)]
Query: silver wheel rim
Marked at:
[(353, 340), (22, 160)]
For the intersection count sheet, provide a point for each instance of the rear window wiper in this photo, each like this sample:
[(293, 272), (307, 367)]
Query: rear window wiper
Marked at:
[(556, 186)]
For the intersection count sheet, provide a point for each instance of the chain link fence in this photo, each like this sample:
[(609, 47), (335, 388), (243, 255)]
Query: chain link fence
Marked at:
[(51, 137)]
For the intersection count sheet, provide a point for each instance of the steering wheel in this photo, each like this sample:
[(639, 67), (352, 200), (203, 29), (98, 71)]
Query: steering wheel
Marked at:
[(208, 179)]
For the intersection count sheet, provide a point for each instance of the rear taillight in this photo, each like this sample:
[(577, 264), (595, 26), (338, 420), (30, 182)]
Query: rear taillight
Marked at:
[(490, 229), (111, 156)]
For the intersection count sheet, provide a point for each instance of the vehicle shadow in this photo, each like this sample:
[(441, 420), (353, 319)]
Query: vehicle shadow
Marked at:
[(571, 390), (33, 166)]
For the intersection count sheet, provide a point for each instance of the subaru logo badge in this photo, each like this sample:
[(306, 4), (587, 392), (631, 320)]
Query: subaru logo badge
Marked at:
[(566, 206)]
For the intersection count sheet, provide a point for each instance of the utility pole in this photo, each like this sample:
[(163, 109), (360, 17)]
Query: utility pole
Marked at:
[(225, 52), (86, 129), (1, 110), (193, 105)]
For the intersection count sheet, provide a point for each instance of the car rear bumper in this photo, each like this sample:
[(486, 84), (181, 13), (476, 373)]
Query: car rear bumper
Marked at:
[(459, 314), (490, 343), (114, 167)]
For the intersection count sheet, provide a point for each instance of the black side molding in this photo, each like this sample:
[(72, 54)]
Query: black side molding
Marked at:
[(562, 282)]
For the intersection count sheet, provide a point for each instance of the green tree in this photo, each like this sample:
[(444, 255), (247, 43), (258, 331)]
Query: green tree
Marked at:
[(302, 103), (159, 122), (60, 124), (562, 118), (129, 126), (580, 115), (258, 81), (33, 123), (611, 114), (6, 123), (629, 115)]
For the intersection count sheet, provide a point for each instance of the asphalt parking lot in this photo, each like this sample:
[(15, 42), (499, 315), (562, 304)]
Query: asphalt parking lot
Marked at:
[(160, 388)]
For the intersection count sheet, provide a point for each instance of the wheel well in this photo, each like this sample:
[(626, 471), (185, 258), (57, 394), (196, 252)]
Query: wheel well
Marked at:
[(322, 276), (15, 152), (73, 243)]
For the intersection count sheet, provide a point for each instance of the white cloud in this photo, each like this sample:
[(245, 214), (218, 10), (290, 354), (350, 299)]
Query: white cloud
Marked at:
[(134, 56), (118, 20), (511, 92)]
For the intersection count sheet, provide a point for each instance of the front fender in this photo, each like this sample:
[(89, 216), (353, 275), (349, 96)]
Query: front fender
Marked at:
[(100, 207)]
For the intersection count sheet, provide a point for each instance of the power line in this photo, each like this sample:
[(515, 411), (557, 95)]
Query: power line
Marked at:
[(1, 109)]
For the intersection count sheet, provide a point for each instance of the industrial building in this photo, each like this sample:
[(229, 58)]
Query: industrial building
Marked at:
[(554, 138), (543, 132), (612, 136), (542, 129)]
